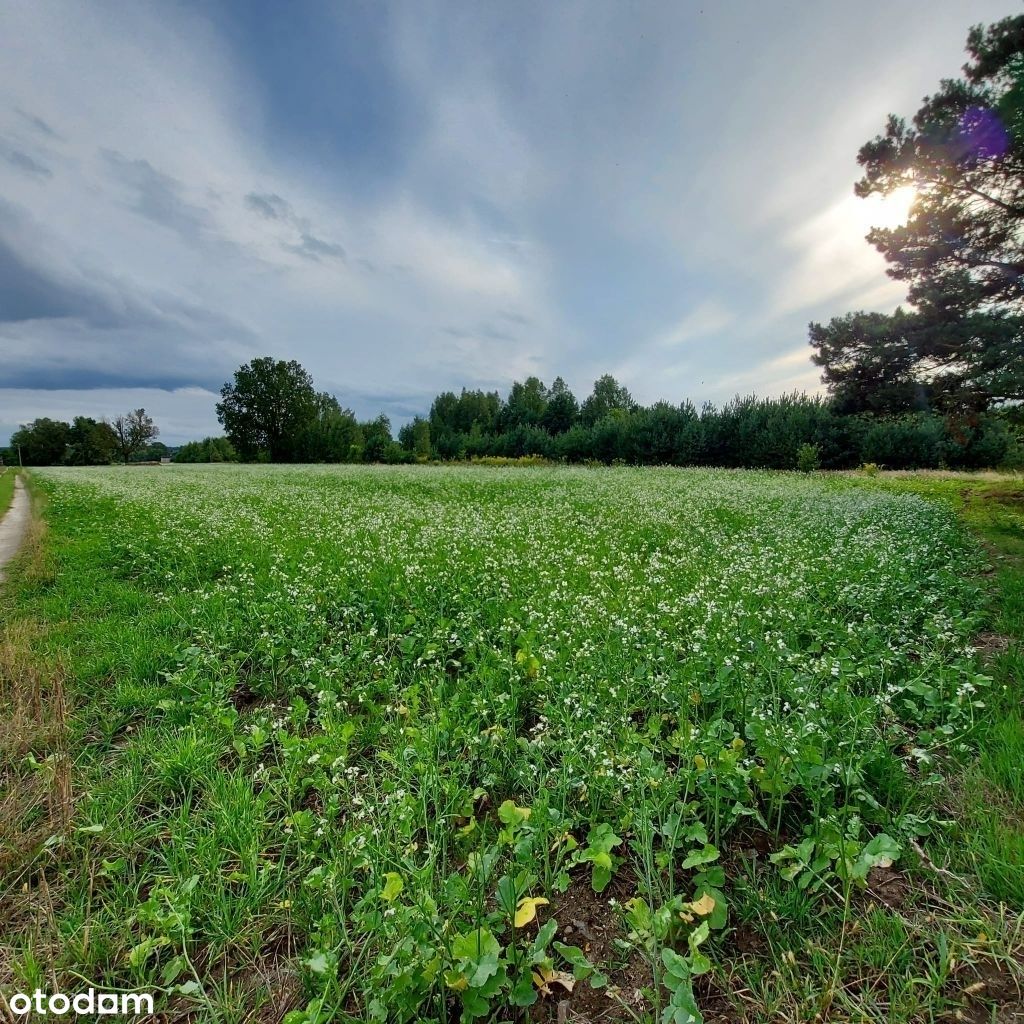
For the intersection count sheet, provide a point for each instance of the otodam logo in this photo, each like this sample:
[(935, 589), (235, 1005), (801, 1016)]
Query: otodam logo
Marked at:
[(98, 1004)]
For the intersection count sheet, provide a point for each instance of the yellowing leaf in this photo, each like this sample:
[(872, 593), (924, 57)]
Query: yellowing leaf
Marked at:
[(526, 909), (566, 837), (545, 977), (700, 762), (704, 905), (456, 981), (393, 885)]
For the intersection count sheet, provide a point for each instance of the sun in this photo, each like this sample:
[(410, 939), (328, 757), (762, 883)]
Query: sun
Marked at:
[(888, 211)]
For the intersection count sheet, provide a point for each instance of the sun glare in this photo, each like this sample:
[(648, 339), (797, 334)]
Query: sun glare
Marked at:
[(885, 211)]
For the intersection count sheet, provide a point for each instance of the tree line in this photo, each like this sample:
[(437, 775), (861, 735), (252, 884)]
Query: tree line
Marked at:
[(747, 431), (86, 441), (272, 412)]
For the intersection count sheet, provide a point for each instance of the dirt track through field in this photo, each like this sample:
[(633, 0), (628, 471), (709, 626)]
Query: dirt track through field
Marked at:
[(12, 526)]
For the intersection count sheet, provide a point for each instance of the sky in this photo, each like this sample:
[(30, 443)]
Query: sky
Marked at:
[(414, 197)]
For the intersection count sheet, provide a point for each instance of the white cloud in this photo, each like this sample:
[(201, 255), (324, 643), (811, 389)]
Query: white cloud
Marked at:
[(777, 375), (711, 317), (831, 261)]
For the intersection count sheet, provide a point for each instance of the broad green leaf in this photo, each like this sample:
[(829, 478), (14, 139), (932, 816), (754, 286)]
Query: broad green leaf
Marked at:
[(695, 858), (511, 814), (393, 885)]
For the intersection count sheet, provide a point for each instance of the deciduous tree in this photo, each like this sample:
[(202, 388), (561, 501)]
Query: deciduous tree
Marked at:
[(267, 409), (43, 442), (134, 430)]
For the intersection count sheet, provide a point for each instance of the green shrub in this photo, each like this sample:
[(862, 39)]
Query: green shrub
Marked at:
[(808, 458)]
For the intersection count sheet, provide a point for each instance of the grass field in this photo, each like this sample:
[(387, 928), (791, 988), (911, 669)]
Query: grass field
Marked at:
[(6, 488), (426, 744)]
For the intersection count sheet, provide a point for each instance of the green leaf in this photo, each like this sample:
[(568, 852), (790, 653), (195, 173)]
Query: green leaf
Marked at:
[(172, 969), (601, 838), (523, 993), (545, 935), (676, 967), (695, 858), (882, 851), (718, 917), (320, 963), (510, 814), (480, 951), (699, 962), (475, 1004), (140, 953), (393, 885), (582, 968), (573, 954), (508, 895)]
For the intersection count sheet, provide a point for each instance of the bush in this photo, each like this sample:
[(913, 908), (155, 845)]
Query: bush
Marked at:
[(977, 445), (916, 441), (1014, 457), (507, 460), (808, 458), (210, 449)]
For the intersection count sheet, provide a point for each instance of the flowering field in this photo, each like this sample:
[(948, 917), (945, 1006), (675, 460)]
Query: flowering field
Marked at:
[(427, 743)]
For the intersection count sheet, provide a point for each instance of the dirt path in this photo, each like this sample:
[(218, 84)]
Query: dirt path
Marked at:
[(12, 525)]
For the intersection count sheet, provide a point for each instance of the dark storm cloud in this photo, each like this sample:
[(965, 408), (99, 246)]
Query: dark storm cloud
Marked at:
[(309, 246), (158, 197), (81, 328), (71, 378), (271, 206), (30, 293), (312, 248), (23, 162), (38, 123), (397, 405)]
